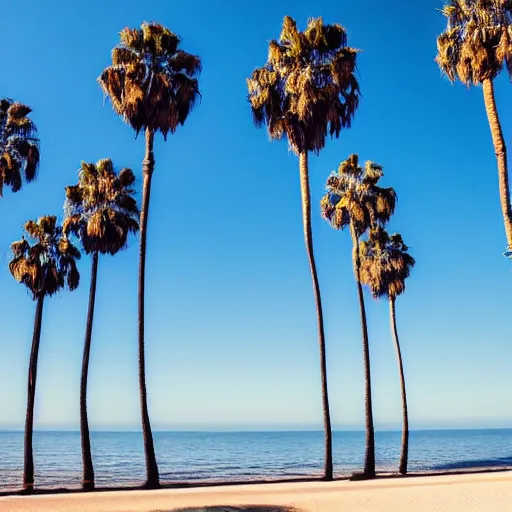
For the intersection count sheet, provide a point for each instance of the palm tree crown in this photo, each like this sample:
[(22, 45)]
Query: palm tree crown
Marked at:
[(100, 209), (19, 145), (152, 83), (385, 263), (353, 196), (477, 41), (307, 88), (48, 264)]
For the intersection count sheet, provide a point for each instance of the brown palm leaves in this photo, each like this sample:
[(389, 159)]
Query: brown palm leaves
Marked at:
[(353, 197), (477, 41), (385, 263), (307, 88), (100, 209), (19, 145), (152, 83), (45, 266)]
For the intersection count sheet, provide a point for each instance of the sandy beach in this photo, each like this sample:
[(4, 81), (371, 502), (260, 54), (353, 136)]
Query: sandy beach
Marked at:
[(485, 492)]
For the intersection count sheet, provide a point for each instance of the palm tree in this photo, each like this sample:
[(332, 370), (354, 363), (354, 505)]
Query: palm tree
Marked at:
[(101, 212), (475, 46), (306, 90), (385, 266), (19, 145), (152, 84), (44, 267), (354, 200)]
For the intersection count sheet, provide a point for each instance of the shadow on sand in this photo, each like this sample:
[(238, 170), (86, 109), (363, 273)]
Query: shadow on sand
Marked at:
[(239, 508), (499, 462)]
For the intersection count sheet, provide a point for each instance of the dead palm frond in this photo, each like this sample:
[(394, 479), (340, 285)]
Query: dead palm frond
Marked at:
[(307, 89), (101, 210), (354, 197), (477, 42), (152, 83), (49, 263), (385, 263), (19, 145)]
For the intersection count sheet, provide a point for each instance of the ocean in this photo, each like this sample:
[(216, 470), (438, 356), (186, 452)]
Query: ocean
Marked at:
[(212, 456)]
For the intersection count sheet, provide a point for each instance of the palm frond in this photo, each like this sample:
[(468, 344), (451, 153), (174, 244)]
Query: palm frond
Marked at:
[(152, 82), (307, 89), (385, 263), (355, 198), (100, 209), (19, 145), (46, 264), (477, 42)]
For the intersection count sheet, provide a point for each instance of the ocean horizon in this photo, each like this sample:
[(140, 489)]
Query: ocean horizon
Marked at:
[(248, 430), (214, 456)]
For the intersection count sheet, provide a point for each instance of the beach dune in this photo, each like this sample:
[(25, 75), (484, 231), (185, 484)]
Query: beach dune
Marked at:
[(484, 492)]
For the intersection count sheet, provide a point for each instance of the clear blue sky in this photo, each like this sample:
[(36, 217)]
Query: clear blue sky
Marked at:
[(231, 335)]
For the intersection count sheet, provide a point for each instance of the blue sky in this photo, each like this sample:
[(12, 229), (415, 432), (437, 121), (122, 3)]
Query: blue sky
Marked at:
[(231, 335)]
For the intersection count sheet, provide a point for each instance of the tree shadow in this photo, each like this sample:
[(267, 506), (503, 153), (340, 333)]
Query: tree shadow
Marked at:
[(238, 508), (499, 462)]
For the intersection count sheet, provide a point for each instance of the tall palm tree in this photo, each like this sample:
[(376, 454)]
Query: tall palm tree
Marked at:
[(44, 267), (152, 85), (354, 200), (474, 48), (101, 212), (385, 266), (19, 145), (306, 90)]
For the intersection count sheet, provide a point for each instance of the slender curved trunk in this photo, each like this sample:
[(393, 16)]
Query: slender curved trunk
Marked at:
[(369, 457), (28, 469), (501, 156), (308, 238), (404, 454), (148, 165), (88, 468)]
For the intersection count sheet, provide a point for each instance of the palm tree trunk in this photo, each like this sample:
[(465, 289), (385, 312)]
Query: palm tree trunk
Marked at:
[(28, 470), (402, 468), (148, 165), (88, 468), (369, 458), (308, 237), (501, 156)]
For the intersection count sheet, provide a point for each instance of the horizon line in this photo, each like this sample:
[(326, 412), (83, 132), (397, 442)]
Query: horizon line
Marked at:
[(254, 431)]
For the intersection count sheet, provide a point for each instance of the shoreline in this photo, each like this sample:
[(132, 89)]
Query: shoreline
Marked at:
[(196, 485), (489, 491)]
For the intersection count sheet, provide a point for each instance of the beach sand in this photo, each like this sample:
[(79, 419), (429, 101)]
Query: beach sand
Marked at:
[(484, 492)]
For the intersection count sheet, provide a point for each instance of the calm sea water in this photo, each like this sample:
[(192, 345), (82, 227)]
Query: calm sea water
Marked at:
[(206, 456)]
